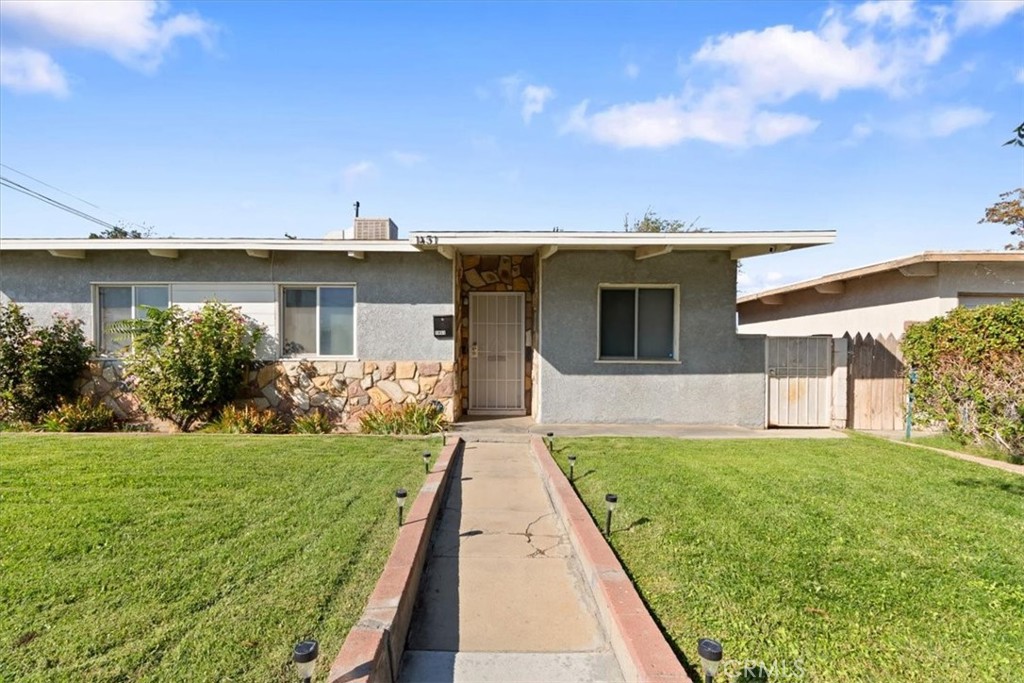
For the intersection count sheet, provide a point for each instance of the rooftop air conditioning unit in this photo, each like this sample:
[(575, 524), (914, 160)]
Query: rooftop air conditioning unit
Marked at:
[(375, 229)]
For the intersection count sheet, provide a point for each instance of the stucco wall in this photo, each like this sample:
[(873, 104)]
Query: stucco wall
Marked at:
[(719, 378), (882, 303), (397, 295)]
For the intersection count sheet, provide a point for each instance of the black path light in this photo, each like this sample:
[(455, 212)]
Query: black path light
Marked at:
[(610, 500), (426, 462), (551, 441), (710, 653), (400, 496), (572, 468), (304, 655)]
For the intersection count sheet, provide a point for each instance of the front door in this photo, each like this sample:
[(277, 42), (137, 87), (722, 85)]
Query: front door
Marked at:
[(496, 353)]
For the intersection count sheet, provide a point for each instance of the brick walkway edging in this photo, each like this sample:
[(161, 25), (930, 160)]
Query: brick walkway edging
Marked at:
[(638, 644), (374, 647)]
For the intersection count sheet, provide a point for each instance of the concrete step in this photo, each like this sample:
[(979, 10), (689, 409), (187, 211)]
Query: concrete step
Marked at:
[(432, 666)]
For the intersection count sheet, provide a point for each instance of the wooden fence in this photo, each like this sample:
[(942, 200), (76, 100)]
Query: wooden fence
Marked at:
[(876, 385)]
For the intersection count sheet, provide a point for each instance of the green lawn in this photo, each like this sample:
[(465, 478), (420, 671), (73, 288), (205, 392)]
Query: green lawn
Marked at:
[(199, 557), (844, 560)]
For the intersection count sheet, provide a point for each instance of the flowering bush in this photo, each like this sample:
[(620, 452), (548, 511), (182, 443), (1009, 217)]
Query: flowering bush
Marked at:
[(38, 365), (186, 365)]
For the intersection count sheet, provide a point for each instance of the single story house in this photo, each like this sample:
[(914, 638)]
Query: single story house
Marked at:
[(883, 298), (568, 327), (847, 326)]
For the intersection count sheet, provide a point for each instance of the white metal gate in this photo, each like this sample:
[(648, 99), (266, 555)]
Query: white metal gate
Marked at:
[(799, 381), (497, 327)]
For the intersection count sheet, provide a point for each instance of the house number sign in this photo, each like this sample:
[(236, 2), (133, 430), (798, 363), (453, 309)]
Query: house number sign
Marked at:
[(426, 239)]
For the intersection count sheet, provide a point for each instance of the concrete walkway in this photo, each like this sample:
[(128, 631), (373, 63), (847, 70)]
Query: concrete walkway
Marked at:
[(502, 598)]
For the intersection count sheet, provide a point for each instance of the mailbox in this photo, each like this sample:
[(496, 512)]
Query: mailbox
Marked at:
[(443, 325)]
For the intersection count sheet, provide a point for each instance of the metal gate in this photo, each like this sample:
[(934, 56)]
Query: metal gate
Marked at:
[(799, 381), (497, 326)]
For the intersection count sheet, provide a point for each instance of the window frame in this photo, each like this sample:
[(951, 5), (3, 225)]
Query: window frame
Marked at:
[(317, 286), (97, 309), (636, 287)]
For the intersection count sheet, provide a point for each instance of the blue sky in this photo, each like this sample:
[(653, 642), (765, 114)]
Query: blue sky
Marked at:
[(880, 120)]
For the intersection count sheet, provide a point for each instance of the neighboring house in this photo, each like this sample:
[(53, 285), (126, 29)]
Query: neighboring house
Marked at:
[(566, 327), (856, 368), (884, 298)]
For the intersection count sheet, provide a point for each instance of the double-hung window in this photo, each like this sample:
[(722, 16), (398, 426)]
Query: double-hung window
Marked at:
[(124, 302), (318, 321), (638, 322)]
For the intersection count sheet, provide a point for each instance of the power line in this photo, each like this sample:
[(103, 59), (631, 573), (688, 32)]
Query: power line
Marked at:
[(54, 187), (64, 192), (7, 182)]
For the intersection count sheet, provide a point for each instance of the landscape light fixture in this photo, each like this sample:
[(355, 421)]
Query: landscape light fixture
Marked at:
[(551, 441), (572, 468), (304, 655), (710, 653), (400, 496), (610, 500), (426, 462)]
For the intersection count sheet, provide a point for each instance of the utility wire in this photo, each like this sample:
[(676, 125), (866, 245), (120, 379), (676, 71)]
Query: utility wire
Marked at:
[(7, 182), (54, 187), (64, 192)]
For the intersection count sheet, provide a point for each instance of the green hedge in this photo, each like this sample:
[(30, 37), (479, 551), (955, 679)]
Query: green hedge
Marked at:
[(970, 374)]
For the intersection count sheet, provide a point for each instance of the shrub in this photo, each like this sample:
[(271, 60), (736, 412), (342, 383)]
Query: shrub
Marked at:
[(81, 415), (187, 365), (410, 418), (317, 422), (248, 420), (970, 374), (38, 365)]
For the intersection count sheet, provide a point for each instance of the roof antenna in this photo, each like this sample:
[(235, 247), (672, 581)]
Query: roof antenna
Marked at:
[(357, 209)]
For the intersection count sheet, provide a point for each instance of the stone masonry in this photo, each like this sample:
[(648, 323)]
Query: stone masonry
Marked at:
[(492, 273), (342, 389)]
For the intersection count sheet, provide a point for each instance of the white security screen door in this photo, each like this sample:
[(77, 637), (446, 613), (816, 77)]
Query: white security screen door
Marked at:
[(496, 352)]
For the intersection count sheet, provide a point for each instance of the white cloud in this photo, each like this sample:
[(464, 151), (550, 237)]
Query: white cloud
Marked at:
[(984, 13), (534, 99), (860, 132), (1019, 76), (876, 45), (26, 70), (721, 117), (945, 121), (135, 32), (407, 159), (529, 97), (358, 171), (631, 70), (896, 12)]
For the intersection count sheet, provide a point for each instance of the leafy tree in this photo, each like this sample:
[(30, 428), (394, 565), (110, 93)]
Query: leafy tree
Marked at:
[(186, 365), (38, 365), (1009, 211), (123, 231), (1018, 140), (652, 222)]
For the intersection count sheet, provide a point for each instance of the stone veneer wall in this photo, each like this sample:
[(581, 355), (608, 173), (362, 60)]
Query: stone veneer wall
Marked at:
[(343, 389), (493, 274)]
